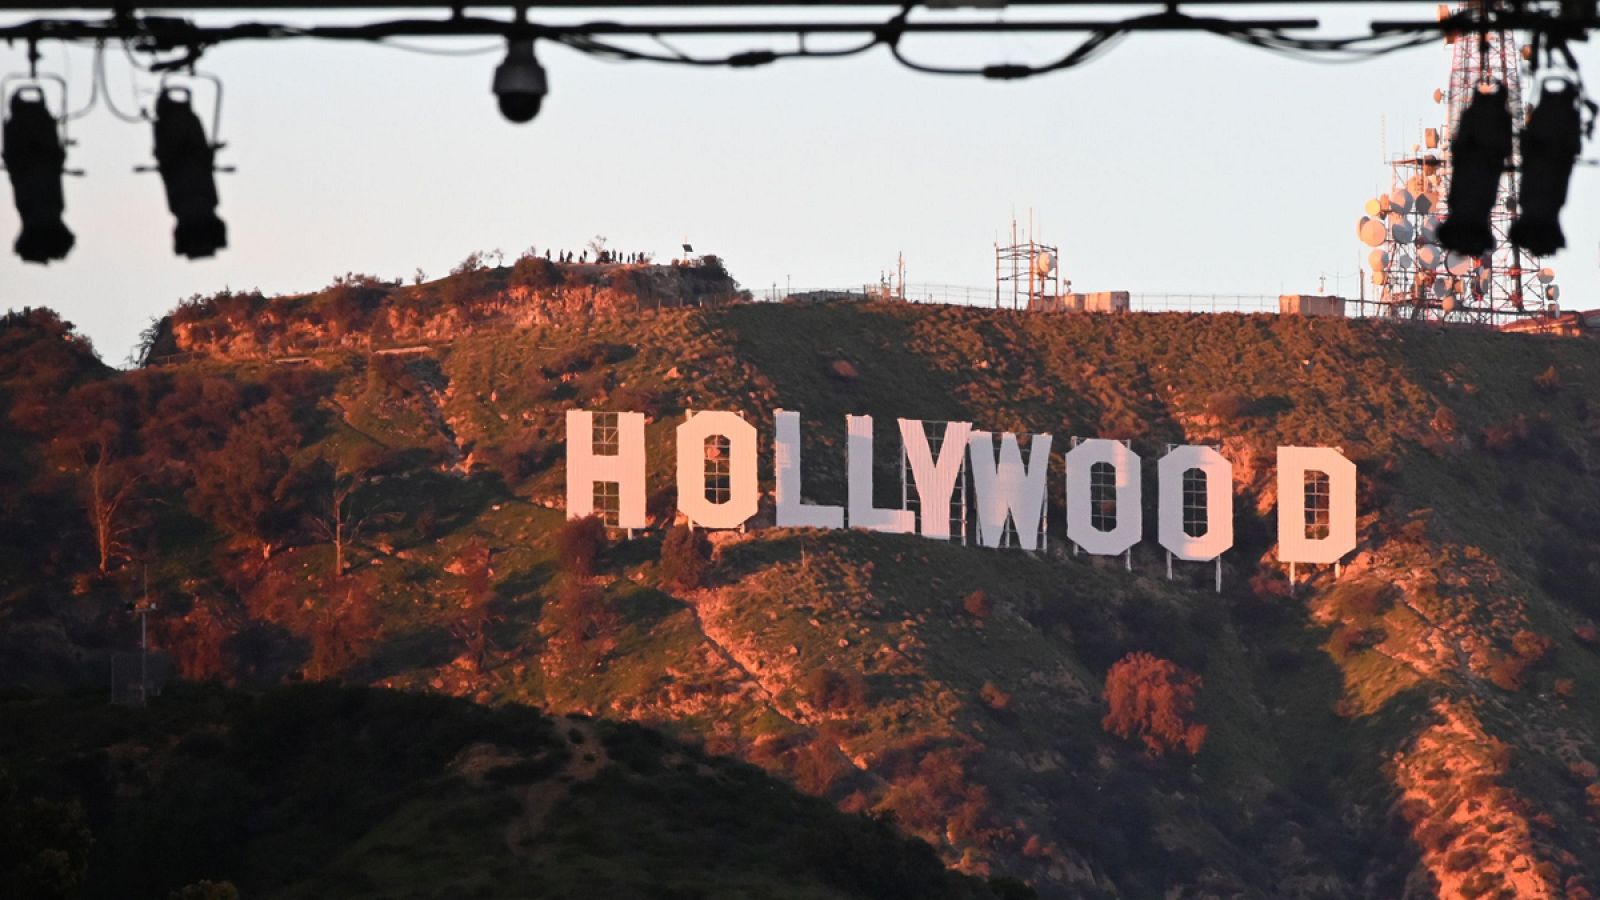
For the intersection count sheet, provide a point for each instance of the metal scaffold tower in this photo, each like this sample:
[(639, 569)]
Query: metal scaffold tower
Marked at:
[(1025, 271), (1413, 276)]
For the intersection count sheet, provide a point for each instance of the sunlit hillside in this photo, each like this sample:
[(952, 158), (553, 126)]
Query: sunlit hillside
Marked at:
[(387, 510)]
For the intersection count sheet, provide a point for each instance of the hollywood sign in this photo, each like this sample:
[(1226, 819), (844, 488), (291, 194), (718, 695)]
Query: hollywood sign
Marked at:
[(1007, 486)]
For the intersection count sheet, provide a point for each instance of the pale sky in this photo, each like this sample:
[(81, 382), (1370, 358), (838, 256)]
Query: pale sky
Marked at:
[(1175, 163)]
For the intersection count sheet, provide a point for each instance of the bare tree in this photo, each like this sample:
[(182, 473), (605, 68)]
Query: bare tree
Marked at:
[(110, 485), (597, 246), (338, 517)]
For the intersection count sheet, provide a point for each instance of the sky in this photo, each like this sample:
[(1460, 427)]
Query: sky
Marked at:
[(1174, 163)]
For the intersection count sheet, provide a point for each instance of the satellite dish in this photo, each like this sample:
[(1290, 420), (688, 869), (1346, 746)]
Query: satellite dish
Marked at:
[(1438, 95), (1424, 203), (1430, 136), (1400, 200), (1547, 275), (1374, 207), (1552, 292), (1402, 260), (1044, 263), (1481, 279), (1450, 302), (1371, 231), (1379, 278), (1402, 232), (1378, 260), (1429, 256), (1458, 264), (1415, 185), (1441, 287)]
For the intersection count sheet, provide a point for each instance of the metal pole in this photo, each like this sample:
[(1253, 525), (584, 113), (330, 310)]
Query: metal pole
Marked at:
[(144, 655)]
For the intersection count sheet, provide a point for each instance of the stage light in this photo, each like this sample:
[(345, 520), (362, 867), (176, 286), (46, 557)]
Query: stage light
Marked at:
[(1550, 147), (1478, 157), (186, 159), (35, 160), (519, 82)]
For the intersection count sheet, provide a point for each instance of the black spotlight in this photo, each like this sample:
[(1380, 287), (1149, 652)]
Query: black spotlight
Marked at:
[(186, 159), (1550, 147), (36, 160), (1477, 158), (519, 82)]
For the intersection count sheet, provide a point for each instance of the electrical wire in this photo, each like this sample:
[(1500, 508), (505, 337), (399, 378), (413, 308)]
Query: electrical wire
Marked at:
[(104, 89), (432, 51)]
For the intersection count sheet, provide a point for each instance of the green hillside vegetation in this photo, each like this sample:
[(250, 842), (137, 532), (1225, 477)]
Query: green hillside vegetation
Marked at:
[(323, 791), (1422, 720)]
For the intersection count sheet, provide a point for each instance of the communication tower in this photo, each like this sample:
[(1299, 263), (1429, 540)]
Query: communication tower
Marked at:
[(1025, 271), (1415, 278)]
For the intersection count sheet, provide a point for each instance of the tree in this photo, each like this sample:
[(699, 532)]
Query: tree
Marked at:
[(597, 246), (244, 487), (332, 491), (1153, 700), (97, 438), (685, 558)]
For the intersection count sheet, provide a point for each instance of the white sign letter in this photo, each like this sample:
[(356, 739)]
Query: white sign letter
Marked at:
[(935, 481), (585, 468), (1218, 473), (1009, 487), (858, 458), (1082, 494), (694, 454), (792, 511), (1294, 544)]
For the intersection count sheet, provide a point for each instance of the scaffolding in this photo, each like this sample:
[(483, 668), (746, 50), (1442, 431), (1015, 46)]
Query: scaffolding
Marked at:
[(1025, 271)]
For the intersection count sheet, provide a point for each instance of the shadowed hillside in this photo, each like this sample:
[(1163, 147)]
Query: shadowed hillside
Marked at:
[(1422, 722), (320, 791)]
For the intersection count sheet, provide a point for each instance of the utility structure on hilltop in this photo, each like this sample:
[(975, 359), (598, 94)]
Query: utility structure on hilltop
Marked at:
[(1025, 271), (1412, 275)]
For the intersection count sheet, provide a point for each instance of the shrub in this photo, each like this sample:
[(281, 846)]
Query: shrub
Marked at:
[(829, 689), (1508, 673), (1548, 381), (207, 890), (636, 398), (520, 456), (1227, 406), (1348, 639), (579, 543), (1153, 700), (537, 274), (685, 558), (994, 697), (977, 604), (1359, 601), (1531, 646)]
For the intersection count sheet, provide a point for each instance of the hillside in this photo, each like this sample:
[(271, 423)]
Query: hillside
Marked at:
[(1422, 722), (320, 791)]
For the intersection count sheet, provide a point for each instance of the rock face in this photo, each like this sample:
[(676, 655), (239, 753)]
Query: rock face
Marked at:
[(1418, 723)]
